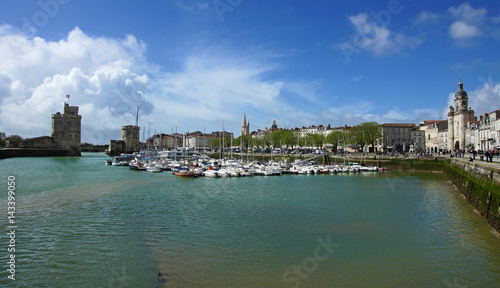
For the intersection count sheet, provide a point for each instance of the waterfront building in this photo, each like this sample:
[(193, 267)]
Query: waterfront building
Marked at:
[(245, 126), (130, 136), (417, 141), (484, 133), (396, 136), (163, 141), (262, 133), (311, 130), (458, 118), (494, 140), (218, 134), (198, 140), (436, 135), (472, 135)]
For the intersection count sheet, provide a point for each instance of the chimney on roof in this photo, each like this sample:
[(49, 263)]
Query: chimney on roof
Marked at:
[(475, 118), (485, 115), (328, 126), (480, 117)]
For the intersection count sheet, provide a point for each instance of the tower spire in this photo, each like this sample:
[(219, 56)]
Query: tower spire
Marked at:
[(244, 126)]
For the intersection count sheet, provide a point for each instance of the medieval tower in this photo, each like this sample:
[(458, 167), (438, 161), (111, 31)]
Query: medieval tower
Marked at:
[(245, 126), (458, 117), (130, 136), (66, 129)]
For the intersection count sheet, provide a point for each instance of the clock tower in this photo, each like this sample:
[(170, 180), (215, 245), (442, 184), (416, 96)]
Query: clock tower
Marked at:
[(461, 99), (458, 117)]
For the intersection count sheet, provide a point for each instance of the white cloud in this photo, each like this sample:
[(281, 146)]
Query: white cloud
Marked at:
[(108, 78), (460, 30), (375, 38), (425, 17), (97, 72), (466, 13), (465, 23)]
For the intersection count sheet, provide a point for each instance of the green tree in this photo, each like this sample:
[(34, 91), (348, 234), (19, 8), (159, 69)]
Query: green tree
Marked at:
[(317, 140), (336, 138), (364, 133), (305, 141), (242, 141), (283, 137), (371, 132), (356, 137), (217, 142)]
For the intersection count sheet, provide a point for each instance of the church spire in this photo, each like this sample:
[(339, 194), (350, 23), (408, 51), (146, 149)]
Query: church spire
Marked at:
[(245, 128)]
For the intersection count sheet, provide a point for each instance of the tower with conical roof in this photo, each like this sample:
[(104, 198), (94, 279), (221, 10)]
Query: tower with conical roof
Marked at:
[(458, 117), (245, 126)]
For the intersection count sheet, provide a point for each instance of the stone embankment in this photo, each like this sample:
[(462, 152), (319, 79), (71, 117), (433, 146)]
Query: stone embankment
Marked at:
[(27, 152), (479, 182)]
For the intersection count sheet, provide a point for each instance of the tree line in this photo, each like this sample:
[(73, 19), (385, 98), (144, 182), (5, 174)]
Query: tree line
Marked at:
[(359, 136)]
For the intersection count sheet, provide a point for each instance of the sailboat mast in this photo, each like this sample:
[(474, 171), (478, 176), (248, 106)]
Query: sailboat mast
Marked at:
[(223, 145)]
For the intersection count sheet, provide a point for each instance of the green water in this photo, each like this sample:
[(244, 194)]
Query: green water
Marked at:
[(84, 224)]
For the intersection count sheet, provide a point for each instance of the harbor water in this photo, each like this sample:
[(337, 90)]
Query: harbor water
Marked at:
[(81, 223)]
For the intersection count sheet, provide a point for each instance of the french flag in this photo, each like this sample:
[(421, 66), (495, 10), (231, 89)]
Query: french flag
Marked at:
[(67, 96)]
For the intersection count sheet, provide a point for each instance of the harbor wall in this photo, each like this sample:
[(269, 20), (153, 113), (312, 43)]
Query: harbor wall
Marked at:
[(479, 185), (26, 152)]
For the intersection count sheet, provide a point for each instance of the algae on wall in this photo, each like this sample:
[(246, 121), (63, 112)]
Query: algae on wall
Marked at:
[(483, 194)]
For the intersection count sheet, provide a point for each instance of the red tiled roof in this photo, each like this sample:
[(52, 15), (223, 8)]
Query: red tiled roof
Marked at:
[(398, 124)]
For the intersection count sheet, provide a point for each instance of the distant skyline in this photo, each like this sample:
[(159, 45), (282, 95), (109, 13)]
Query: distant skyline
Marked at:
[(194, 65)]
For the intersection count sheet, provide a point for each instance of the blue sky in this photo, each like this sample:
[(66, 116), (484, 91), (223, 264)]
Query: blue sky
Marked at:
[(194, 65)]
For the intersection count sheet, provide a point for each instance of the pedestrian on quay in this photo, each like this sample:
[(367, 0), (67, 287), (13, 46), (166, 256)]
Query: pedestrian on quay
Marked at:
[(491, 156), (487, 155)]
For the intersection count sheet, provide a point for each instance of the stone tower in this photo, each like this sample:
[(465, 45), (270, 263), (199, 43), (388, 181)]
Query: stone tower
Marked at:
[(66, 129), (130, 135), (458, 117), (245, 126)]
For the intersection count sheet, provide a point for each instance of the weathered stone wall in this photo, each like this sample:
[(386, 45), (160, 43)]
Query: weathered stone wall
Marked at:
[(20, 152), (479, 170), (477, 184)]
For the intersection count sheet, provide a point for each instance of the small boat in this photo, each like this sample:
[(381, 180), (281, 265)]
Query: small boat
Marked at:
[(154, 169), (185, 173), (108, 162), (211, 173), (119, 163)]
